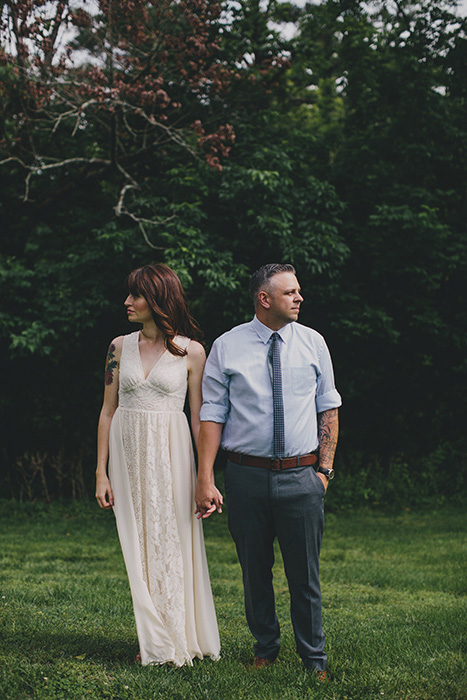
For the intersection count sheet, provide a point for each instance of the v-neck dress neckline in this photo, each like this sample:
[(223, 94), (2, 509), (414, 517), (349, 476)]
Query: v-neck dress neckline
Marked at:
[(141, 360)]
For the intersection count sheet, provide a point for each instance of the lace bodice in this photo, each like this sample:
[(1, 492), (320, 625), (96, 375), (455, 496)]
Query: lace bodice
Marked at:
[(164, 389)]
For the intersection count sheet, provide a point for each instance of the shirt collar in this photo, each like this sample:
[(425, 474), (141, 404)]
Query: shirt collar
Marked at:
[(265, 333)]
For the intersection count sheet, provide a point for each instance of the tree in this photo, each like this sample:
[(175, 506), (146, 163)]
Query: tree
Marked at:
[(397, 159), (106, 94), (103, 117), (348, 161)]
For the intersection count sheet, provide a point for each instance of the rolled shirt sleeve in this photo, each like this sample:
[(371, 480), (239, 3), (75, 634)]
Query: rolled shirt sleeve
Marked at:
[(216, 404), (327, 396)]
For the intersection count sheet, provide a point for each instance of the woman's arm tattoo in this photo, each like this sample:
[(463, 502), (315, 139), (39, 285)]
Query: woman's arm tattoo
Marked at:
[(111, 364)]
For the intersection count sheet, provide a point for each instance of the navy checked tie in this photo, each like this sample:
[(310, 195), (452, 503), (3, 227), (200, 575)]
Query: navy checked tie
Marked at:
[(278, 403)]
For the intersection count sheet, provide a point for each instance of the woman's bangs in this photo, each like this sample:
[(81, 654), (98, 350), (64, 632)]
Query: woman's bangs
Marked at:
[(134, 283)]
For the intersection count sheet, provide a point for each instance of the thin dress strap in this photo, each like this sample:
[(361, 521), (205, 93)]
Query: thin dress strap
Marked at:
[(182, 342)]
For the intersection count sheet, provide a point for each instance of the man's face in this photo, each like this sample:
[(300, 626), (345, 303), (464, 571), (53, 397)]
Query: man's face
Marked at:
[(283, 295)]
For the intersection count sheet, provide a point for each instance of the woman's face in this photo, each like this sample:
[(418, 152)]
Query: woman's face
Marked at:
[(137, 309)]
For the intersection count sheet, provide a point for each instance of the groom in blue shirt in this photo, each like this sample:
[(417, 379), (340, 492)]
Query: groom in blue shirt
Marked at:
[(269, 400)]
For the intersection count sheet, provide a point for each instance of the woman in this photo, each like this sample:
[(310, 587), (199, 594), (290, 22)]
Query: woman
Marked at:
[(144, 436)]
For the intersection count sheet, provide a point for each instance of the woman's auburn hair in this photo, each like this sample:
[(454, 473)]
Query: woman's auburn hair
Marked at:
[(163, 291)]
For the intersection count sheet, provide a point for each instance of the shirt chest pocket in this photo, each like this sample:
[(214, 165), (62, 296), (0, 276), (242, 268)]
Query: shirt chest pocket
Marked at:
[(303, 380)]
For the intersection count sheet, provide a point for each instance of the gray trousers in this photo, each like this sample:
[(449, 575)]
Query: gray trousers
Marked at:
[(288, 504)]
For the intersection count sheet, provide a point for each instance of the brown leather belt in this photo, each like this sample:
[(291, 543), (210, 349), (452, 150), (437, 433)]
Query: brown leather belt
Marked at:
[(273, 463)]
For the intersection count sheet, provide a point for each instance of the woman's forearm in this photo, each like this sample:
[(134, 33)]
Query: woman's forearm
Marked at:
[(103, 432)]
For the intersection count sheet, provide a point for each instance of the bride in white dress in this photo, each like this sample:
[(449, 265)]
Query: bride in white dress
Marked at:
[(145, 439)]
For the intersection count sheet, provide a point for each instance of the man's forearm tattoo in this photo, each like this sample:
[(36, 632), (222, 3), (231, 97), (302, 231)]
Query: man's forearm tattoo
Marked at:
[(328, 430), (111, 364)]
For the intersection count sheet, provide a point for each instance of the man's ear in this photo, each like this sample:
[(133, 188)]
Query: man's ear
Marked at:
[(263, 299)]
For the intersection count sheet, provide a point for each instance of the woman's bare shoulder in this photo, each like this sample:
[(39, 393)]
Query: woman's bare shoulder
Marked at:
[(196, 350), (116, 345)]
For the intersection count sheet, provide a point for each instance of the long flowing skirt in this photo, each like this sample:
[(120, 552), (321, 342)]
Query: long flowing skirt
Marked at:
[(152, 472)]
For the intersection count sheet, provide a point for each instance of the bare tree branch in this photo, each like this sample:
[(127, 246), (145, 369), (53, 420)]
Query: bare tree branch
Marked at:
[(119, 206), (103, 95), (120, 210)]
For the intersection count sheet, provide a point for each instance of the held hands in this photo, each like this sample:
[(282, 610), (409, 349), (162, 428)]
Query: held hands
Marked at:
[(208, 499), (104, 493)]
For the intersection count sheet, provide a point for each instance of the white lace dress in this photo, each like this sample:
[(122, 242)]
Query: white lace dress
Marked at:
[(152, 472)]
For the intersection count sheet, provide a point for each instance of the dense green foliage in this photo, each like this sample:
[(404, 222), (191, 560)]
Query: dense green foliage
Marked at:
[(349, 161), (394, 612)]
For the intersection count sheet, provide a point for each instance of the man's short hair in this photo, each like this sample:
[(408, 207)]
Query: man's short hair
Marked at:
[(261, 277)]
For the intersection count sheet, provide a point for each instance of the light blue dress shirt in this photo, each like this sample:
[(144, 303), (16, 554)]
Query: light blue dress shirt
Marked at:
[(237, 388)]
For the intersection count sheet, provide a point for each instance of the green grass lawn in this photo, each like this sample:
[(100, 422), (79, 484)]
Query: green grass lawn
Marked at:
[(394, 605)]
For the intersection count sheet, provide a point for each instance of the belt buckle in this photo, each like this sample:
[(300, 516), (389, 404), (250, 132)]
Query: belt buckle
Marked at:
[(273, 462)]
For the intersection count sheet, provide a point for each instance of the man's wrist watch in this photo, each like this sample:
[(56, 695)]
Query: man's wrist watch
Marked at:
[(328, 473)]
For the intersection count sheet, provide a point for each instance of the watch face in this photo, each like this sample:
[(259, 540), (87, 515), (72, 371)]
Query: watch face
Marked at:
[(328, 473)]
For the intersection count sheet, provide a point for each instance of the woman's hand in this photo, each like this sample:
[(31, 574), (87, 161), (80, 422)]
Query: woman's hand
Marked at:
[(104, 493)]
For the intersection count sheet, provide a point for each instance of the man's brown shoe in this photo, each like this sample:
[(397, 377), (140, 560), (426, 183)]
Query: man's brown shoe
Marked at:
[(259, 662)]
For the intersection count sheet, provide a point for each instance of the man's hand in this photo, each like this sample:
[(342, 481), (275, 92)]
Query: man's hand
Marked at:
[(324, 479), (208, 499)]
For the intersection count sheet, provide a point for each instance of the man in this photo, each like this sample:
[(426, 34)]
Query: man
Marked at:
[(269, 398)]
